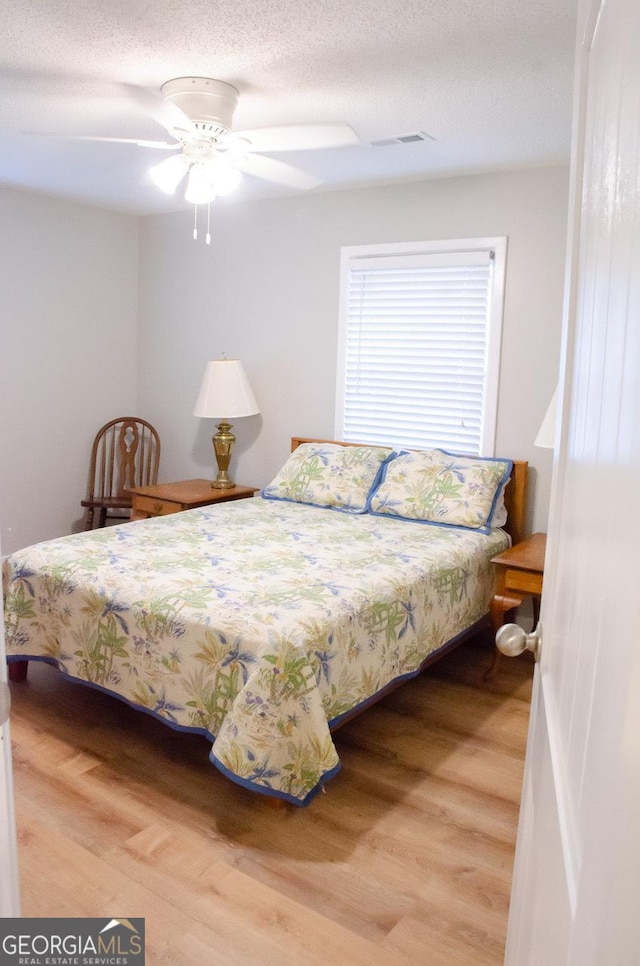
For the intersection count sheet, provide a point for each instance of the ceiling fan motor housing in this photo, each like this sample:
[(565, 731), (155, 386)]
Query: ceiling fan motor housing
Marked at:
[(208, 103)]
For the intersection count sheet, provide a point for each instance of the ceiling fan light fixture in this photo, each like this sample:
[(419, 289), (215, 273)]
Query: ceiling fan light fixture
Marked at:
[(169, 173), (200, 188)]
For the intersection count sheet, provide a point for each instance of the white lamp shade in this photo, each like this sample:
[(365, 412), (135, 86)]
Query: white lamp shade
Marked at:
[(200, 190), (225, 392), (224, 178), (169, 173), (547, 433)]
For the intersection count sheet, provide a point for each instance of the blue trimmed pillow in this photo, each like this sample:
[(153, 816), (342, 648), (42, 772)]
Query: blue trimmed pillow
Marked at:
[(329, 475), (433, 486)]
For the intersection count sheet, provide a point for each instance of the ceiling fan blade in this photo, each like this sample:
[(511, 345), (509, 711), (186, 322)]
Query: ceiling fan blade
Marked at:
[(298, 137), (161, 145), (167, 114), (269, 169)]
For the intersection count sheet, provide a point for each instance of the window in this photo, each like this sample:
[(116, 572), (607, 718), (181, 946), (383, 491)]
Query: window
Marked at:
[(419, 344)]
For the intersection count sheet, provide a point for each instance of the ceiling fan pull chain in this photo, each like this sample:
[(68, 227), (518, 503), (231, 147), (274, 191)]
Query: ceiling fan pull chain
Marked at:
[(195, 222), (208, 235)]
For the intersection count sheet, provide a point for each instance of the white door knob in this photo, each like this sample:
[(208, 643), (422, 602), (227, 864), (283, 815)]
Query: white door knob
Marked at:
[(512, 640)]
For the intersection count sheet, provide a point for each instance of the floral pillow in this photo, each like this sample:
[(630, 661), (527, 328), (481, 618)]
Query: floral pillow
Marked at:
[(432, 486), (329, 475)]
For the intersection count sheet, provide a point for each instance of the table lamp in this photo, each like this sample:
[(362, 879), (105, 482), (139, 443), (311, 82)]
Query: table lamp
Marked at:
[(225, 394)]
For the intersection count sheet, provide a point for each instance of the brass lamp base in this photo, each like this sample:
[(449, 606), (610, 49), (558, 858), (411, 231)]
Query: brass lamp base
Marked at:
[(222, 445)]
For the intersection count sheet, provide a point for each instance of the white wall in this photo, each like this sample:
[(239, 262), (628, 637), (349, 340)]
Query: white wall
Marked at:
[(266, 290), (68, 317)]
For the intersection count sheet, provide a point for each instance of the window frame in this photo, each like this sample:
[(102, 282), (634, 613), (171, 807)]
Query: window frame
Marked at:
[(351, 255)]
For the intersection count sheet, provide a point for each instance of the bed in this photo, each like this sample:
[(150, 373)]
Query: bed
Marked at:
[(264, 624)]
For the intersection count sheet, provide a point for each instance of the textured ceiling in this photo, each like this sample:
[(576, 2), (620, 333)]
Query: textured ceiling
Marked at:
[(489, 80)]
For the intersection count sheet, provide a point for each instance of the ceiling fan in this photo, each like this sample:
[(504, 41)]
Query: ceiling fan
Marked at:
[(197, 112)]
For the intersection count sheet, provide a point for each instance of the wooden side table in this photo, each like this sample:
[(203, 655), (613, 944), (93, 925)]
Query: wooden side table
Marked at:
[(165, 498), (520, 573)]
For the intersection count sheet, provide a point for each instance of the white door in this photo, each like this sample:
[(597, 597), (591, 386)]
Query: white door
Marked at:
[(9, 896), (576, 890)]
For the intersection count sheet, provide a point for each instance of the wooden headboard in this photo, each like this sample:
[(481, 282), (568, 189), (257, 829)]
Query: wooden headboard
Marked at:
[(515, 494)]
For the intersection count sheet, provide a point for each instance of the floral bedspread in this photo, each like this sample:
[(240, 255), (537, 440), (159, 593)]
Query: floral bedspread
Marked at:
[(256, 623)]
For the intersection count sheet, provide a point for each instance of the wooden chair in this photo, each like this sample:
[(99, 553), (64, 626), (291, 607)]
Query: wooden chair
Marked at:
[(125, 453)]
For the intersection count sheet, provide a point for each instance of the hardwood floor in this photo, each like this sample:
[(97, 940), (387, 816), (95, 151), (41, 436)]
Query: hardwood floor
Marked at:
[(405, 860)]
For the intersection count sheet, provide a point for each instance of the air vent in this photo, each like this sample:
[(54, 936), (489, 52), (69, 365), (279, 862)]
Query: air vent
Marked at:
[(402, 139)]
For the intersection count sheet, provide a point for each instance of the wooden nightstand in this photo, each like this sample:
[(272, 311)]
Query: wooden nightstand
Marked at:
[(165, 498), (520, 573)]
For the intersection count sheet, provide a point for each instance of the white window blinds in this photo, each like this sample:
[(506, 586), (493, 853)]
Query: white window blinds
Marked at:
[(418, 362)]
